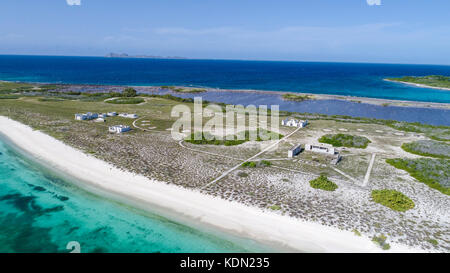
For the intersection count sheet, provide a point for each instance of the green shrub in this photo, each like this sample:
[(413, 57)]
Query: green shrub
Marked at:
[(381, 241), (129, 92), (344, 140), (73, 93), (126, 101), (294, 97), (266, 163), (392, 199), (275, 207), (323, 183), (249, 164)]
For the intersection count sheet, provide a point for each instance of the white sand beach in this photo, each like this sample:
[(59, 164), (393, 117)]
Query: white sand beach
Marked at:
[(233, 217)]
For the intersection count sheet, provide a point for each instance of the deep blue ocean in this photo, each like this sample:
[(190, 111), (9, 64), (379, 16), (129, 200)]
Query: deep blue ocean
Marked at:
[(356, 79), (41, 211)]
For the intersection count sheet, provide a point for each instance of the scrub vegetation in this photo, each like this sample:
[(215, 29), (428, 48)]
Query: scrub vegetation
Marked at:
[(323, 183), (294, 97), (428, 148), (344, 140), (433, 172), (392, 199)]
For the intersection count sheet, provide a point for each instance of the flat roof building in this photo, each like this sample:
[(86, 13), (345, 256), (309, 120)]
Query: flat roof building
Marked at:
[(295, 150), (320, 149)]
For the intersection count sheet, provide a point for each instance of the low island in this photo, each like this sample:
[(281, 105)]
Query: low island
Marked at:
[(433, 81)]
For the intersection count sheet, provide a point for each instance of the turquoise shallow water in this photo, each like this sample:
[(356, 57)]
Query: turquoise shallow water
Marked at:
[(42, 212)]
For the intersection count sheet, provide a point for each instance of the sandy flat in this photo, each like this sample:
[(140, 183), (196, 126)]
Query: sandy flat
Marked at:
[(181, 203)]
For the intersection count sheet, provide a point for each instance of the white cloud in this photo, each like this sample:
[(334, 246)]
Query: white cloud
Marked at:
[(374, 2), (73, 2)]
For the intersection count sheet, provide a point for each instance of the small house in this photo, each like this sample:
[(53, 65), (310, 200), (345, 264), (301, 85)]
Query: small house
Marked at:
[(295, 151), (294, 123), (119, 129), (111, 114)]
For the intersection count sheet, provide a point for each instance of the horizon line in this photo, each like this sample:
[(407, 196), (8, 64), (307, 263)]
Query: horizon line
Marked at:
[(181, 58)]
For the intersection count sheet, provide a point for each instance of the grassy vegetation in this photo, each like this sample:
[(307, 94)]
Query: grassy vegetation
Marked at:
[(126, 101), (9, 97), (392, 199), (428, 148), (433, 80), (344, 140), (294, 97), (14, 87), (441, 133), (381, 241), (323, 183), (209, 139), (51, 99), (433, 172)]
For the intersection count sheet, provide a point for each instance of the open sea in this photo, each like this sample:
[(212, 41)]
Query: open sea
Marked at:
[(42, 212)]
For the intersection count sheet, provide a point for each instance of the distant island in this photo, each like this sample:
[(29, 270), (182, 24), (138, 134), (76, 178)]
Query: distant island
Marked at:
[(433, 81), (125, 55)]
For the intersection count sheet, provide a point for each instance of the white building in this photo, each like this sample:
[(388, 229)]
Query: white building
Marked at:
[(111, 114), (320, 149), (295, 150), (119, 129), (102, 115), (87, 116), (294, 122), (100, 120), (125, 115), (80, 116)]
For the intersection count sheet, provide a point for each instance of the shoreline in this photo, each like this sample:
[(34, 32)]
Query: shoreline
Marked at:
[(253, 223), (419, 85)]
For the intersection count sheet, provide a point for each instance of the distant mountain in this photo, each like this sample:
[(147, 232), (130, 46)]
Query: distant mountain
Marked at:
[(125, 55)]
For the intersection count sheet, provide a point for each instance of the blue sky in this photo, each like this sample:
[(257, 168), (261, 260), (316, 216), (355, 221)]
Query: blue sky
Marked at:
[(397, 31)]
